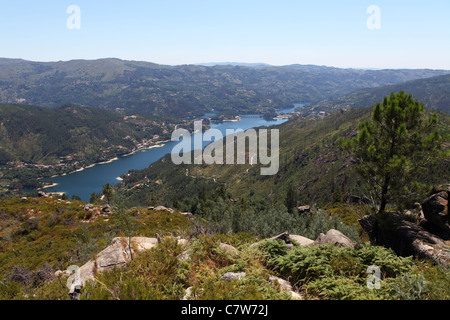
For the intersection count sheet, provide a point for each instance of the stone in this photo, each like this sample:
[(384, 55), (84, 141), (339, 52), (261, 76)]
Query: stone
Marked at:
[(187, 214), (106, 209), (187, 294), (120, 253), (115, 256), (282, 237), (436, 218), (228, 248), (286, 286), (303, 241), (87, 272), (303, 209), (231, 276), (336, 237), (162, 208)]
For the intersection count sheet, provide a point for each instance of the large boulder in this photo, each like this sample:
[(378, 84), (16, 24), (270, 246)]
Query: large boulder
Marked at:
[(117, 255), (405, 238), (436, 218), (336, 237)]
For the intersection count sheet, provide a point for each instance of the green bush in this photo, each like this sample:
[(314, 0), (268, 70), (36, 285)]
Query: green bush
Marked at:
[(332, 272)]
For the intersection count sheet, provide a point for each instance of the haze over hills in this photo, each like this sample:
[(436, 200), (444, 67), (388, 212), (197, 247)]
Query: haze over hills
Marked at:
[(186, 90)]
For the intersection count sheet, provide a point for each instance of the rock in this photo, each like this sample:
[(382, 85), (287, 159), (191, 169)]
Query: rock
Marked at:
[(303, 209), (335, 237), (187, 294), (115, 256), (162, 208), (355, 199), (436, 218), (87, 272), (182, 242), (286, 286), (406, 238), (303, 241), (187, 214), (369, 224), (440, 188), (284, 237), (106, 209), (88, 207), (231, 276), (228, 248), (120, 252), (296, 296)]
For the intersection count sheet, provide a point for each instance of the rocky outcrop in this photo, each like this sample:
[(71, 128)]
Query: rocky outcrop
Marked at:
[(435, 215), (117, 255), (405, 238), (336, 237)]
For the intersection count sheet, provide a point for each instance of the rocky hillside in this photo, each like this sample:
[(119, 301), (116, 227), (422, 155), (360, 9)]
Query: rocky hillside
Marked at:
[(159, 253)]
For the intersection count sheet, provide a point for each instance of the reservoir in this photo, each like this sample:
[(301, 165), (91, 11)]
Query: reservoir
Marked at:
[(84, 183)]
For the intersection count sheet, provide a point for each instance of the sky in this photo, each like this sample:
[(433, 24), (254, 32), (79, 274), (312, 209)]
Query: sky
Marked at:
[(345, 33)]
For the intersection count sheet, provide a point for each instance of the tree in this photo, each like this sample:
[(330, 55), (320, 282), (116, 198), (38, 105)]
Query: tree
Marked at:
[(398, 141), (108, 192), (291, 199)]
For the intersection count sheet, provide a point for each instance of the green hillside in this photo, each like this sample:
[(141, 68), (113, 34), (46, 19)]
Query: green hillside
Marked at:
[(39, 142), (311, 164), (148, 88), (433, 92)]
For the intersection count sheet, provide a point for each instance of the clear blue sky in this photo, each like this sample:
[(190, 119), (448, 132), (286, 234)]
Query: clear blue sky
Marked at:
[(413, 34)]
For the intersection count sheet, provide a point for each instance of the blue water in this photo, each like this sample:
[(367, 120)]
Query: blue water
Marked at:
[(84, 183)]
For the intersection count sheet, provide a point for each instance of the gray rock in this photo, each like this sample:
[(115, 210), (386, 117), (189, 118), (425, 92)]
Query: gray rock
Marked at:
[(303, 241), (87, 272), (228, 248), (336, 237), (187, 214), (162, 208), (286, 286), (231, 276)]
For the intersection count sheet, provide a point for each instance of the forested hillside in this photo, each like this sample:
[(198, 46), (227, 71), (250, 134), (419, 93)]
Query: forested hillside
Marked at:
[(147, 88), (433, 92), (312, 168)]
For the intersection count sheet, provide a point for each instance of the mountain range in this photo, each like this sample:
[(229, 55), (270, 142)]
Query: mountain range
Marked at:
[(185, 90)]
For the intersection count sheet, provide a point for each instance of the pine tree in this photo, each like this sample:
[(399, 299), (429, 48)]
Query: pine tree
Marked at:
[(389, 149)]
